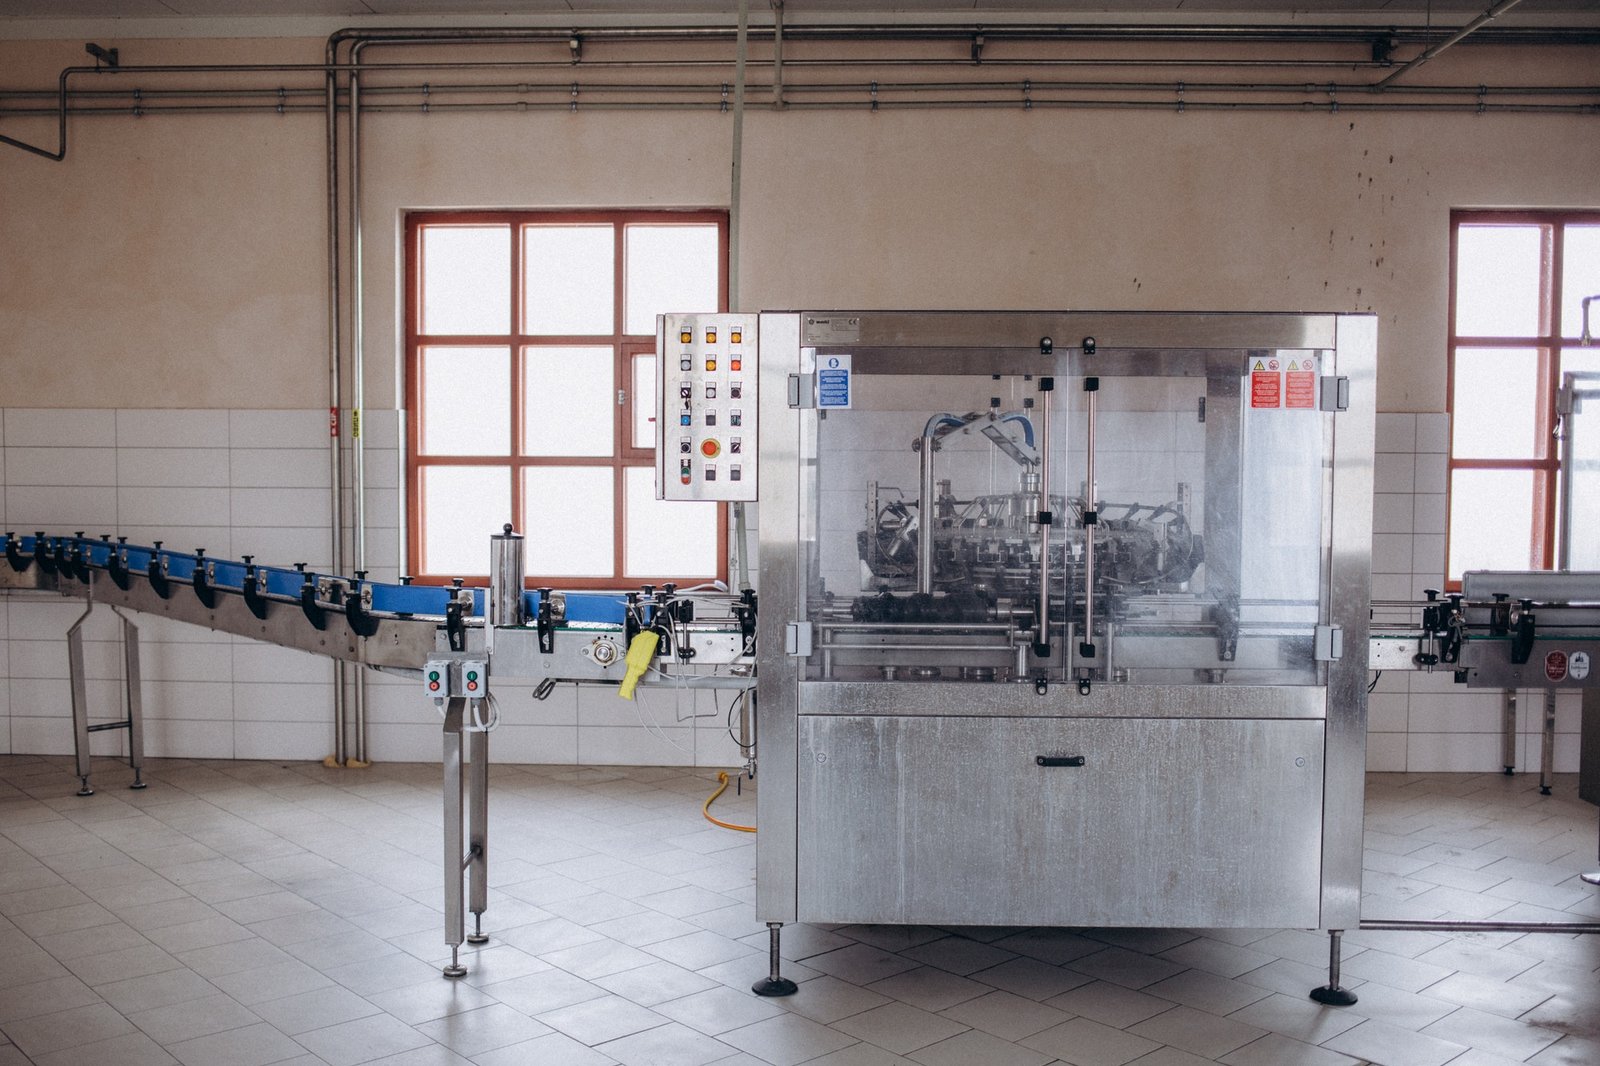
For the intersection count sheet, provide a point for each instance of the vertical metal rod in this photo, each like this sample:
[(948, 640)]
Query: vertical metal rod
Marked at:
[(1566, 402), (925, 509), (1508, 737), (1547, 748), (335, 383), (774, 984), (741, 49), (80, 700), (454, 920), (1090, 494), (478, 830), (777, 55), (1332, 994), (358, 399), (1042, 641), (133, 683)]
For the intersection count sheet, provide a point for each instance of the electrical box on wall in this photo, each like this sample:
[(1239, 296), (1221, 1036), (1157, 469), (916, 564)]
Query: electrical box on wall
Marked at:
[(706, 420)]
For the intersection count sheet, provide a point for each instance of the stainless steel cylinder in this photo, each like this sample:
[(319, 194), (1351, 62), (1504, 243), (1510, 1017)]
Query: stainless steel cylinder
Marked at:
[(505, 579)]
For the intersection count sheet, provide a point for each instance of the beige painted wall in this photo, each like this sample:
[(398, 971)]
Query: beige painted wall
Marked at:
[(180, 261)]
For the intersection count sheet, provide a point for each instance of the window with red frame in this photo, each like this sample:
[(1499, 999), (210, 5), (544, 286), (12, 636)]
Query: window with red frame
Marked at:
[(1517, 280), (530, 391)]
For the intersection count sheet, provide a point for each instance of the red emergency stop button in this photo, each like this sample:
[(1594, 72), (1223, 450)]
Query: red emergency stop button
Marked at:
[(710, 448)]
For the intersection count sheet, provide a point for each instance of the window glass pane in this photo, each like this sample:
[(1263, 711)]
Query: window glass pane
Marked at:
[(1491, 520), (669, 268), (1580, 277), (569, 402), (666, 538), (1496, 400), (466, 279), (1583, 360), (644, 401), (466, 401), (1498, 273), (462, 507), (568, 521), (568, 279)]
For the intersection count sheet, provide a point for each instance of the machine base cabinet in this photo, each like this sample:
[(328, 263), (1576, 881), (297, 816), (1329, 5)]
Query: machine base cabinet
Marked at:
[(1074, 822)]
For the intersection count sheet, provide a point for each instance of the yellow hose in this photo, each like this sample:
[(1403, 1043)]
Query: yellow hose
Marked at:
[(722, 776)]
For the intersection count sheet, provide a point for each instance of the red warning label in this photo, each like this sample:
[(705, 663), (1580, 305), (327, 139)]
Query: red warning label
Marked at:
[(1555, 666), (1266, 388), (1300, 389)]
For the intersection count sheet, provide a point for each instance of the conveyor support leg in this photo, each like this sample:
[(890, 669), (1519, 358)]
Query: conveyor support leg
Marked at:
[(1331, 994), (478, 831), (1547, 750), (1508, 736), (774, 984), (454, 932)]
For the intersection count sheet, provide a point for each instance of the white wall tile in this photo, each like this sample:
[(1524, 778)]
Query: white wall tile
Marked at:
[(380, 426), (1432, 473), (188, 700), (403, 742), (1452, 752), (1386, 712), (1391, 586), (188, 739), (1396, 432), (279, 468), (278, 429), (255, 662), (1467, 711), (1391, 553), (33, 507), (1429, 513), (625, 746), (93, 467), (283, 702), (172, 467), (216, 540), (552, 744), (173, 506), (383, 468), (1394, 473), (173, 428), (59, 427), (1427, 555), (281, 507), (1433, 433), (1386, 752), (1391, 512), (184, 661), (281, 740), (285, 547)]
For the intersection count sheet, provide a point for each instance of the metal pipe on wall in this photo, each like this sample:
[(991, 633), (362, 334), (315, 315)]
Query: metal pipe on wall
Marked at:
[(1470, 28), (358, 386), (335, 384)]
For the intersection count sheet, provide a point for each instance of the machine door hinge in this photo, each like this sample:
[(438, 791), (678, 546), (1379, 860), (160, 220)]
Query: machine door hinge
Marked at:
[(1328, 644), (803, 391), (1335, 394), (797, 639)]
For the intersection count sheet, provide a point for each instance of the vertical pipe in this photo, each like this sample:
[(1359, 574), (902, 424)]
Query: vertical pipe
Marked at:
[(133, 683), (1566, 404), (1508, 738), (740, 526), (1090, 523), (777, 54), (1042, 641), (80, 700), (478, 830), (358, 397), (335, 375), (1547, 748)]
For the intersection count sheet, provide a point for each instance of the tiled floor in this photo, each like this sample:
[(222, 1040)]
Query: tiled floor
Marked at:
[(240, 914)]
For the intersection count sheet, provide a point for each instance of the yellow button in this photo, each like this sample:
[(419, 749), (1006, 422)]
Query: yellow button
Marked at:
[(686, 336), (711, 364)]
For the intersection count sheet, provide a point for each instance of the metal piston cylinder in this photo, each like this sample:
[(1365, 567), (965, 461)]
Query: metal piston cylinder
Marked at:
[(505, 578)]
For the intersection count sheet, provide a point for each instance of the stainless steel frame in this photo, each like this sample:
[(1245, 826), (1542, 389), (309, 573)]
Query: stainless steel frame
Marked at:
[(880, 799)]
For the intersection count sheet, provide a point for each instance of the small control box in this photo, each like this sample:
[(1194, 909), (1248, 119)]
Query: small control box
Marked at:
[(706, 426), (437, 679), (474, 679)]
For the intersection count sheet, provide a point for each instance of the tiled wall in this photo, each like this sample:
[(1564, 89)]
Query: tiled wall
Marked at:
[(1424, 721), (256, 482)]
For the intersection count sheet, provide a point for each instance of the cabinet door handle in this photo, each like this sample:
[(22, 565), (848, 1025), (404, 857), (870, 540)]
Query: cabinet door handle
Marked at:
[(1059, 760)]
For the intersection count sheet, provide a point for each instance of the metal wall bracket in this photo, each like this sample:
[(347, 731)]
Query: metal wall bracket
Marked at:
[(1333, 393), (1328, 644)]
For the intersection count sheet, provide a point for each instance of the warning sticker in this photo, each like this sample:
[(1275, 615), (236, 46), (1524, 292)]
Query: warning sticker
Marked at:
[(1277, 383), (1266, 388), (1555, 666), (1578, 665)]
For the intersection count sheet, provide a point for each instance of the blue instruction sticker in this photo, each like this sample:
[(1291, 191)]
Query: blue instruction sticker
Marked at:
[(833, 381)]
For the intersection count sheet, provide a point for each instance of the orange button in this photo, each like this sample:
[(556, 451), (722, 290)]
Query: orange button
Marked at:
[(736, 364), (685, 336), (710, 448)]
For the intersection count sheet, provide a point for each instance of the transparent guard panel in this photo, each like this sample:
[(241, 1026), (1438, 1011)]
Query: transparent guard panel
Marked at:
[(1196, 553), (1581, 478)]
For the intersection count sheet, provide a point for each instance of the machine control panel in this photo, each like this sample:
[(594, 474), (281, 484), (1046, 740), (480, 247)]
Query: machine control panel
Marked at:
[(706, 427)]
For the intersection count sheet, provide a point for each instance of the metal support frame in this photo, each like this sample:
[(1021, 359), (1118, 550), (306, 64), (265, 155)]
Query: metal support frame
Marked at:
[(1508, 737), (132, 700), (1547, 751), (466, 831)]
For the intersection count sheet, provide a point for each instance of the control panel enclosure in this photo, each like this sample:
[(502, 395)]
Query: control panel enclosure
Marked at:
[(706, 418)]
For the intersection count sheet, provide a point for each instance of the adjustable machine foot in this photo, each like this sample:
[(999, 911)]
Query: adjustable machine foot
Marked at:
[(774, 984), (477, 936), (455, 969), (138, 780), (1331, 994), (85, 790)]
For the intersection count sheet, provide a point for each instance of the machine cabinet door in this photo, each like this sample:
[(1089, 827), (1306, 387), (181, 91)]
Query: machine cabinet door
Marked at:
[(1166, 822)]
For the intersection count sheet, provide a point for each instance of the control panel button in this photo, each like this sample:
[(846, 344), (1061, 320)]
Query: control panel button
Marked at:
[(683, 472), (736, 364), (711, 334), (684, 419), (711, 418), (733, 473), (711, 472), (736, 389), (711, 392), (735, 418), (686, 336), (736, 335), (686, 445), (685, 365), (736, 445), (710, 448), (711, 364)]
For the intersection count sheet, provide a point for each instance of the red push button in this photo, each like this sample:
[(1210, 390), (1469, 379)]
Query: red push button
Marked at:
[(710, 448)]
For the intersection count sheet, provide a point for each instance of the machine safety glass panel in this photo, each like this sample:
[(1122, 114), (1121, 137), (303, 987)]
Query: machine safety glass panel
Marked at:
[(1580, 461), (1146, 516)]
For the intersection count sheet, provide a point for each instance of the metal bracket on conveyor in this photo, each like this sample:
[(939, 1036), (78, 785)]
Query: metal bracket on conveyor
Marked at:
[(358, 606), (255, 584), (315, 614), (204, 574), (157, 574)]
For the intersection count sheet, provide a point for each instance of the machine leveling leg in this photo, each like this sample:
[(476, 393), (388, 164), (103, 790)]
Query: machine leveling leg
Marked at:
[(774, 984), (1547, 752), (1332, 994), (478, 832), (1508, 733)]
